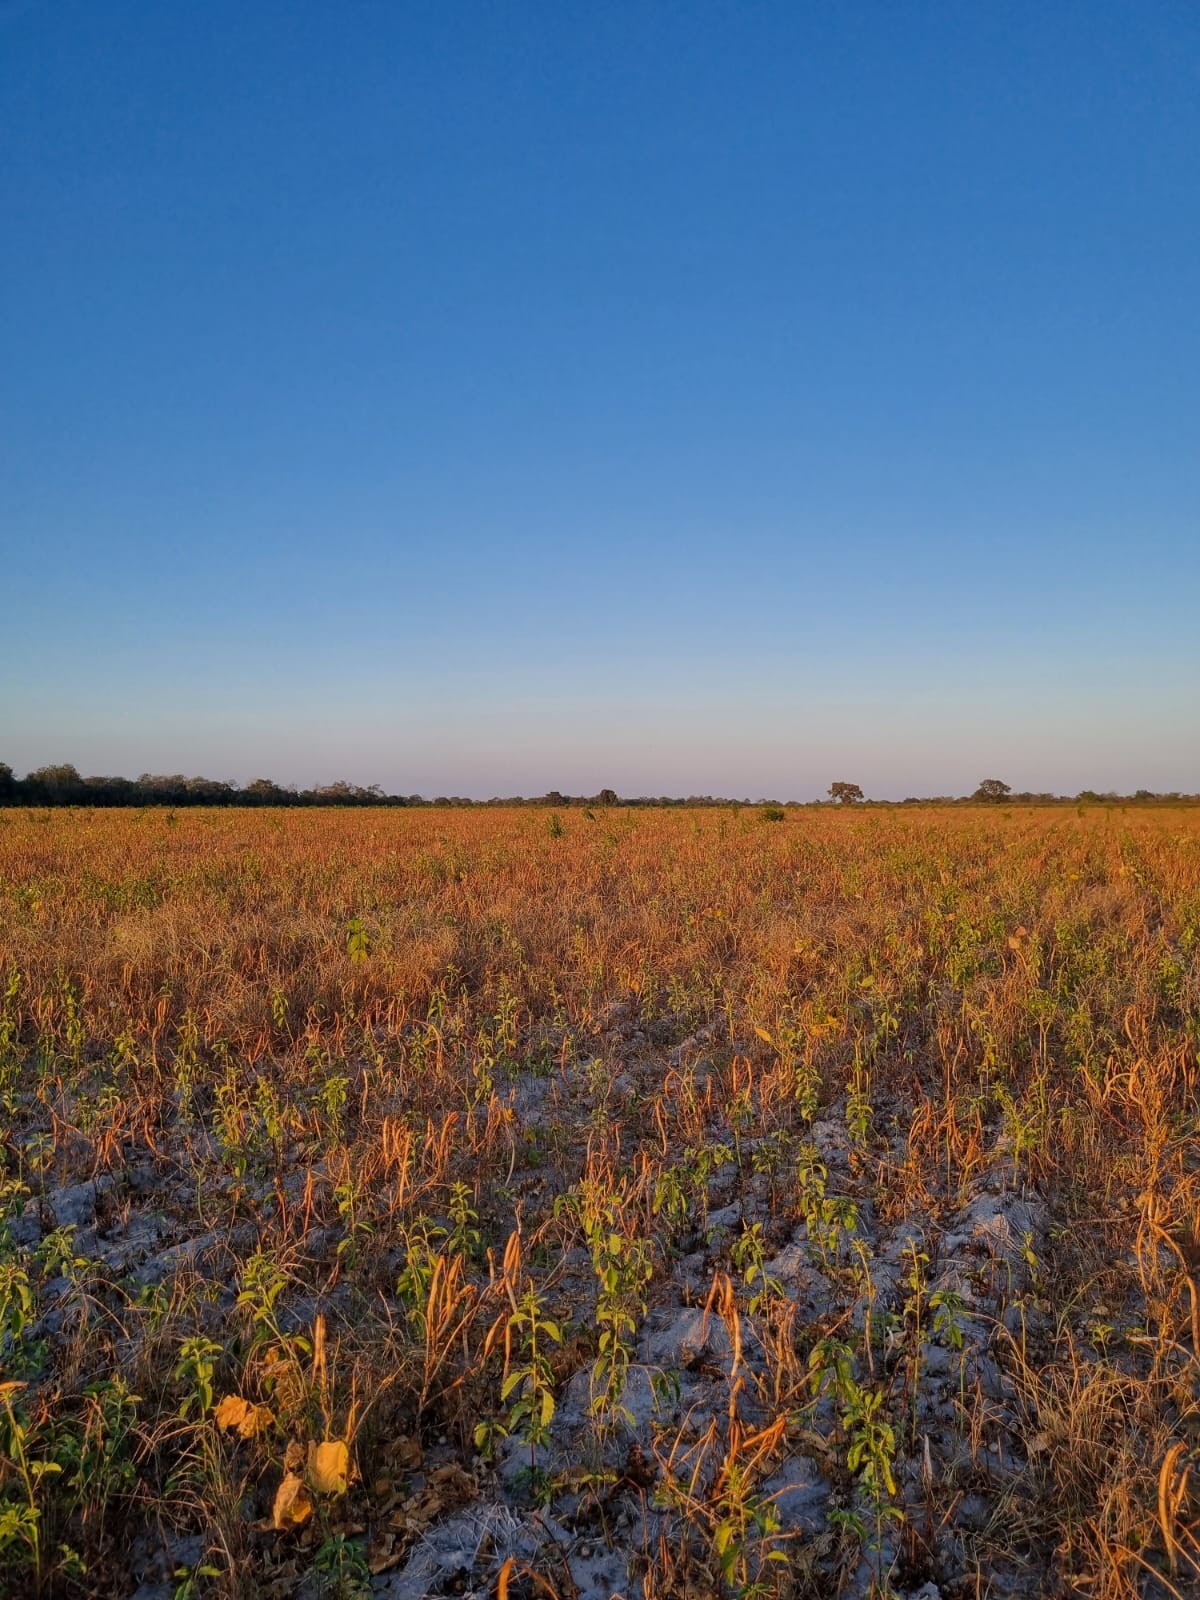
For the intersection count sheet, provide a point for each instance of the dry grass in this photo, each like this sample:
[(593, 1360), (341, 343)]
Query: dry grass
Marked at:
[(594, 1190)]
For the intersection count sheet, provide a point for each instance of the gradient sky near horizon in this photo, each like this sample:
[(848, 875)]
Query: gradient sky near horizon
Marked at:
[(683, 398)]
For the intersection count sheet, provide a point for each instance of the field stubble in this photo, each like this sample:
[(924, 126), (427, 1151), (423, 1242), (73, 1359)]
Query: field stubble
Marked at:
[(632, 1202)]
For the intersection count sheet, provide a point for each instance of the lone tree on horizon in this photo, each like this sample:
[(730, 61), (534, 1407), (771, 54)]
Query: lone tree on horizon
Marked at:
[(992, 789), (845, 793)]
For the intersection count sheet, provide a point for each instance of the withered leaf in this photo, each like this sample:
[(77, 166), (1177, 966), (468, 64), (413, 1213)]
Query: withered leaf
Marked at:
[(328, 1468), (293, 1503), (243, 1415), (405, 1452)]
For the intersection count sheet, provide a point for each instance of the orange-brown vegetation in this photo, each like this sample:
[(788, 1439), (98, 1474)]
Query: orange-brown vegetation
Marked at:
[(652, 1203)]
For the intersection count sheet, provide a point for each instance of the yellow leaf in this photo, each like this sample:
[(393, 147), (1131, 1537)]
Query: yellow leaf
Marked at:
[(764, 1035), (293, 1504), (247, 1418), (256, 1420), (329, 1466), (231, 1412)]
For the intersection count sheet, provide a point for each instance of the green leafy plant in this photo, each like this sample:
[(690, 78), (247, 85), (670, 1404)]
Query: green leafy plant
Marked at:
[(196, 1368), (358, 944), (341, 1570), (529, 1386), (623, 1269), (749, 1257)]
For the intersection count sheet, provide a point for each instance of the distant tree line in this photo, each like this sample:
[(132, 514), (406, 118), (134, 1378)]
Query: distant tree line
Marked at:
[(62, 785)]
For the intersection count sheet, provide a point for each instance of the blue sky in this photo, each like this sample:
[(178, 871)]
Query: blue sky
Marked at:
[(678, 397)]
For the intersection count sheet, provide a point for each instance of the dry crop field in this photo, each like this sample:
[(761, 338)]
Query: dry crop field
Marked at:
[(631, 1203)]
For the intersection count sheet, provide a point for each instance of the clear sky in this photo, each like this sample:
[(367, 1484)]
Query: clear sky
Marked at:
[(674, 397)]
